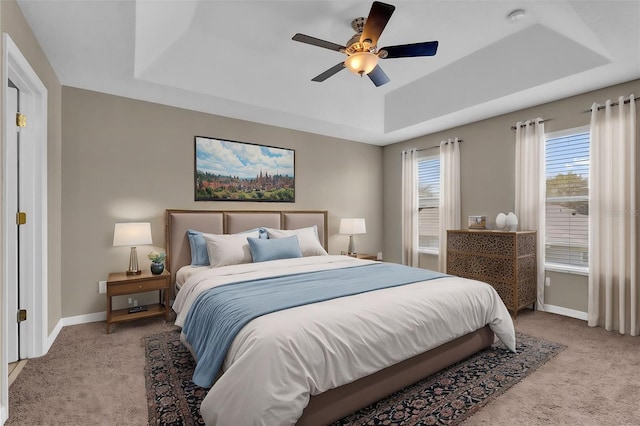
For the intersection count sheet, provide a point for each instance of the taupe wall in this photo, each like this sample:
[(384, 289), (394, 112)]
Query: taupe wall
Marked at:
[(13, 23), (127, 160), (487, 176)]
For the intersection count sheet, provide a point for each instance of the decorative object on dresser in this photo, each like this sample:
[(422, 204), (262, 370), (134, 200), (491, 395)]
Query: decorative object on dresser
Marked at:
[(508, 222), (120, 283), (512, 222), (477, 222), (132, 234), (506, 260), (351, 227)]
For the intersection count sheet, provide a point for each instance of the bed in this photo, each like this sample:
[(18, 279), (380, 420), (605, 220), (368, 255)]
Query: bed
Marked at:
[(361, 347)]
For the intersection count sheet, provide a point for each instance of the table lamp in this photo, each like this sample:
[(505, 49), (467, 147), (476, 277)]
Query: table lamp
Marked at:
[(351, 227), (132, 234)]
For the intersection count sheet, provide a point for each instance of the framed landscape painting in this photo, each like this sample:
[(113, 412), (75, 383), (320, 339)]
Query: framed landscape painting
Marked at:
[(238, 171)]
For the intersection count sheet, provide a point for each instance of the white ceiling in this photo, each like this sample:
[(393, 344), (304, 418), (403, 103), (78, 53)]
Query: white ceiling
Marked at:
[(237, 59)]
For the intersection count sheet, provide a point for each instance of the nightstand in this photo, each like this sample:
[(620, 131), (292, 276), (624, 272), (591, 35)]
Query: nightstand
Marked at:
[(119, 284), (362, 256)]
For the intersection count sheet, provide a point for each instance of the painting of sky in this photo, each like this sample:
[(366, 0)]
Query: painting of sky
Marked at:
[(226, 158)]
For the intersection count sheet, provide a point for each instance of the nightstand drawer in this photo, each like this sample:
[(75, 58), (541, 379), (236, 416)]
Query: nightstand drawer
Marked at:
[(115, 289)]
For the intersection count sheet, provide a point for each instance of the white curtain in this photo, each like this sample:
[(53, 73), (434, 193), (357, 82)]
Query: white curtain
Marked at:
[(613, 285), (449, 207), (410, 207), (530, 189)]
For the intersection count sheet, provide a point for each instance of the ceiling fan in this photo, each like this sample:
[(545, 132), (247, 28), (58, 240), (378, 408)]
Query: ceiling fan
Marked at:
[(362, 49)]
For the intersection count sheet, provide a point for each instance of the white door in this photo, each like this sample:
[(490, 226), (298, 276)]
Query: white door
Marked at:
[(16, 331)]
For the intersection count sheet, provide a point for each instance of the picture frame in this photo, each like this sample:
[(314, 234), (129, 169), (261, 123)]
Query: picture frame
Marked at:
[(477, 222), (226, 170)]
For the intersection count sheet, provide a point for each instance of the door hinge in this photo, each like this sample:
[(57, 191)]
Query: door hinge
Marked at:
[(21, 218), (22, 315), (21, 120)]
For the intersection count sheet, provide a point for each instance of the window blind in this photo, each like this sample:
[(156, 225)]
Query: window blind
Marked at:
[(428, 202), (567, 200)]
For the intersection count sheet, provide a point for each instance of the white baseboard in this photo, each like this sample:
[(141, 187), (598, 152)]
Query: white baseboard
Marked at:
[(553, 309), (54, 334), (78, 319), (83, 319)]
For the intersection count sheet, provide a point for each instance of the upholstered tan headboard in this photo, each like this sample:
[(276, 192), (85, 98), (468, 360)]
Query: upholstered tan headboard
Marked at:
[(230, 222)]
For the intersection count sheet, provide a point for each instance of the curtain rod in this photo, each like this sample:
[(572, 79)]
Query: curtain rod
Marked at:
[(532, 123), (437, 146), (600, 107)]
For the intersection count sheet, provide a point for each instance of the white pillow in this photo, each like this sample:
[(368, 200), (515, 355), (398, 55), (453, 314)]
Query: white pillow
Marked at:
[(307, 238), (229, 249)]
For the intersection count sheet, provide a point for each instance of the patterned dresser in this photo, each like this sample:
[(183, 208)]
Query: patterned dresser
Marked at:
[(506, 260)]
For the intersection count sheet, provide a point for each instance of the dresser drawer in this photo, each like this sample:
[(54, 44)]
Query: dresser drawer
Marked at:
[(115, 289)]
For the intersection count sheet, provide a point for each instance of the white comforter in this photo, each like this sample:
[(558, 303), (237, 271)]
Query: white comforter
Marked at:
[(278, 360)]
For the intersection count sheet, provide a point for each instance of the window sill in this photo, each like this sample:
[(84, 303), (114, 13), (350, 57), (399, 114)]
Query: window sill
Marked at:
[(428, 251), (577, 270)]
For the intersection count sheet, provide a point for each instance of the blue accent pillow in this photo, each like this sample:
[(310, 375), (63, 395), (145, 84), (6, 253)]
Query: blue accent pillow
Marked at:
[(199, 254), (281, 248)]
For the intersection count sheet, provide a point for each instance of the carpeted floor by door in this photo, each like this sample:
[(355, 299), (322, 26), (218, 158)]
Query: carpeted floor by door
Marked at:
[(87, 378), (91, 378)]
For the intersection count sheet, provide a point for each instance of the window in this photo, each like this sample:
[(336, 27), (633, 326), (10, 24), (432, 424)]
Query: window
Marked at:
[(567, 200), (428, 201)]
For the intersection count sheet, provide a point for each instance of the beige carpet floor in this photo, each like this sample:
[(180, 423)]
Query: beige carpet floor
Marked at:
[(93, 378)]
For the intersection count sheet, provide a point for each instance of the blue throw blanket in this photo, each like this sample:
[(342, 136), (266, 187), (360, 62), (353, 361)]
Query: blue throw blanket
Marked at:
[(218, 314)]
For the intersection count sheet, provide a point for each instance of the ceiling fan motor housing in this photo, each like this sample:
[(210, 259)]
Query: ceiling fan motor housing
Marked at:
[(358, 24), (354, 45)]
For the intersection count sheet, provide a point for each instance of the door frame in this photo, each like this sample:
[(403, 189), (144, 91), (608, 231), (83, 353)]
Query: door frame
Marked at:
[(11, 235), (34, 201)]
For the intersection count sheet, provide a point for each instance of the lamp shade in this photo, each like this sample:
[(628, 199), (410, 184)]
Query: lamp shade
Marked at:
[(352, 226), (132, 234)]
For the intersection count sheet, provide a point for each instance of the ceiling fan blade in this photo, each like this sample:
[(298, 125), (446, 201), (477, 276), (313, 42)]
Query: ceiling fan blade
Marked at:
[(317, 42), (328, 73), (379, 15), (428, 48), (378, 77)]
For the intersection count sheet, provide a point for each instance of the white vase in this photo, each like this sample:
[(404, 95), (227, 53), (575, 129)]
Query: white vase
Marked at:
[(501, 220), (511, 222)]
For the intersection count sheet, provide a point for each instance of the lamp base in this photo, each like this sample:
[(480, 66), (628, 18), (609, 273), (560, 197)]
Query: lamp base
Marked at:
[(133, 263), (352, 247)]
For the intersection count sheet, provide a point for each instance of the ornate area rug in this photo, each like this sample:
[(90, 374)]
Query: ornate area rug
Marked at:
[(446, 398)]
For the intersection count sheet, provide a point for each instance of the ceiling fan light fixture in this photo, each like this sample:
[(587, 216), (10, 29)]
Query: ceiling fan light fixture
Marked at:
[(361, 62)]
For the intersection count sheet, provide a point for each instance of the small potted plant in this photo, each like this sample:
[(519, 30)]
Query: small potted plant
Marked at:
[(156, 262)]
